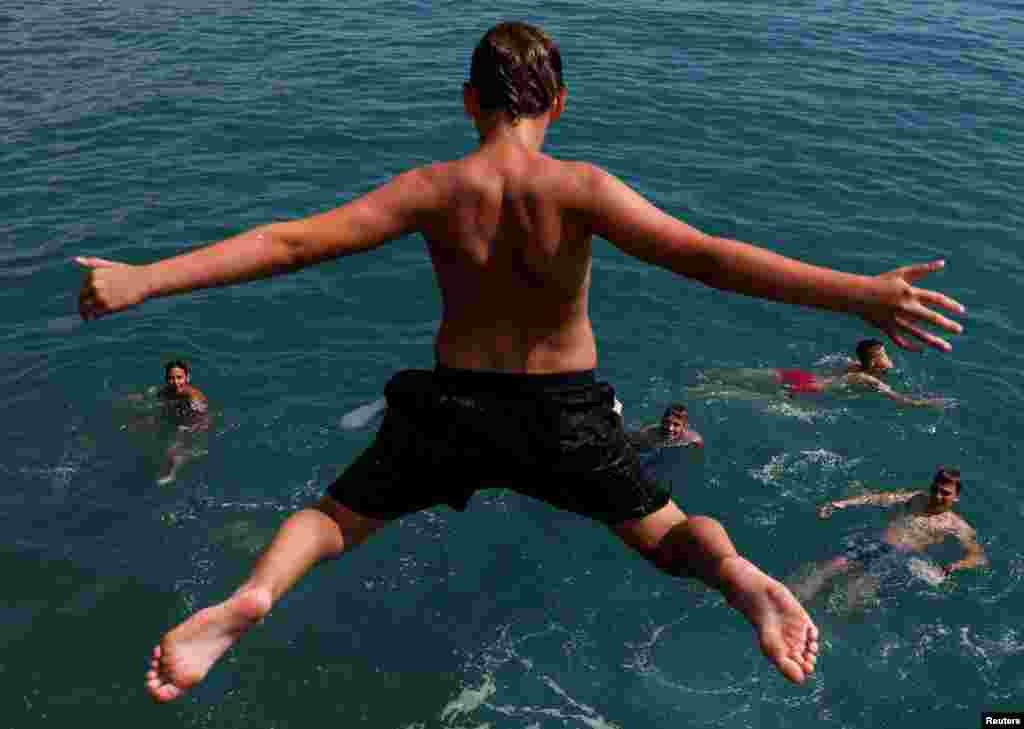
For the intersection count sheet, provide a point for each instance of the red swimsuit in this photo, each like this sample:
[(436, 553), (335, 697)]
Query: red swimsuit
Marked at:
[(799, 381)]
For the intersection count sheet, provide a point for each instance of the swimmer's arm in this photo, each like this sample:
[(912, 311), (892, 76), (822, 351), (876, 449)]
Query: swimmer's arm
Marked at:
[(975, 556), (886, 498), (862, 378), (386, 213), (889, 301)]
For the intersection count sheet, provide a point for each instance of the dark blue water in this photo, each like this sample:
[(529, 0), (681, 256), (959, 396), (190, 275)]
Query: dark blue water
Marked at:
[(855, 135)]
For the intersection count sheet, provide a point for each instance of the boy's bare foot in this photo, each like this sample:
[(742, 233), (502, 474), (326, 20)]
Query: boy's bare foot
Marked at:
[(188, 652), (788, 636)]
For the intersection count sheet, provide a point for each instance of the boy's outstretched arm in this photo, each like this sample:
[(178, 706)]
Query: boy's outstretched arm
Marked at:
[(871, 381), (885, 498), (890, 301), (975, 556), (386, 213)]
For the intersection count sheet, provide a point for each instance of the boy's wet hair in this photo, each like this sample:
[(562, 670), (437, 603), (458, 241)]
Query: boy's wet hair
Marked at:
[(516, 68), (864, 349), (947, 475), (676, 408), (180, 364)]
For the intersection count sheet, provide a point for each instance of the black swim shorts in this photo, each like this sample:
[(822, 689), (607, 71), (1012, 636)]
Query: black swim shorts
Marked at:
[(448, 433)]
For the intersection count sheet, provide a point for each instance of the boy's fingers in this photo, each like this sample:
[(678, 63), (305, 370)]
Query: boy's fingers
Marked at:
[(93, 262), (918, 270), (925, 336), (933, 317), (937, 299), (902, 341)]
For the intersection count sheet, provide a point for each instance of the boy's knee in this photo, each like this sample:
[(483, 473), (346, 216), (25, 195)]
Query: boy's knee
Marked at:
[(352, 527), (686, 546)]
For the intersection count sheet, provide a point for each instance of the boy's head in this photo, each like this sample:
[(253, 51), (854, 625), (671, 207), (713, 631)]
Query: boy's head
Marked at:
[(872, 355), (675, 420), (947, 477), (945, 491), (517, 69), (176, 374)]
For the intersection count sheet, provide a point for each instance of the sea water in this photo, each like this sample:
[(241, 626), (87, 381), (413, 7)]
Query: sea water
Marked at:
[(862, 136)]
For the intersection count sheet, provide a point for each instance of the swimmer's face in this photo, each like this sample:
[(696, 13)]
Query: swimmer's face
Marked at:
[(945, 494), (177, 378), (879, 360), (675, 424)]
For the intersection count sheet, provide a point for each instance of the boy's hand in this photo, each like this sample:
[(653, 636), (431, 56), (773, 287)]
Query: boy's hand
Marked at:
[(901, 307), (940, 403), (108, 287)]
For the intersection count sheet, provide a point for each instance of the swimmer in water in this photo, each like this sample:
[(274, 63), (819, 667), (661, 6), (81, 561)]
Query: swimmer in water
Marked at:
[(509, 231), (182, 399), (186, 407), (673, 431), (867, 371), (919, 520), (185, 404)]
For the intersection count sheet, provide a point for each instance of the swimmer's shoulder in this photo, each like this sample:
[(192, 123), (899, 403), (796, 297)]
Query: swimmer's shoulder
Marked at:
[(197, 400), (960, 526), (194, 393)]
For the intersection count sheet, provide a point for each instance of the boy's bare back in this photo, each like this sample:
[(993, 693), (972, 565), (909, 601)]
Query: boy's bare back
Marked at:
[(512, 254)]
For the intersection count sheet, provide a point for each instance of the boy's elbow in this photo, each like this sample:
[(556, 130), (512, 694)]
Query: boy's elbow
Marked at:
[(697, 260)]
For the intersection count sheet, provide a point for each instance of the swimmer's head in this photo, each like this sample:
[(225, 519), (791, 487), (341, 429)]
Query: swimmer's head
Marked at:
[(946, 487), (516, 69), (872, 356), (675, 421), (177, 374)]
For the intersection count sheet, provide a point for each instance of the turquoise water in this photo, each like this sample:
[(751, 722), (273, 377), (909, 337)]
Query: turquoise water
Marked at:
[(856, 135)]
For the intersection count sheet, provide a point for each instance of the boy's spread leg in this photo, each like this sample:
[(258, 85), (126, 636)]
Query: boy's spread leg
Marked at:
[(700, 547), (189, 651)]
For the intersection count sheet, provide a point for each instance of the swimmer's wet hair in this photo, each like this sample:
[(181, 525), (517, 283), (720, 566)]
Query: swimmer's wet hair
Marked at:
[(180, 364), (865, 347), (676, 408), (947, 475), (516, 68)]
